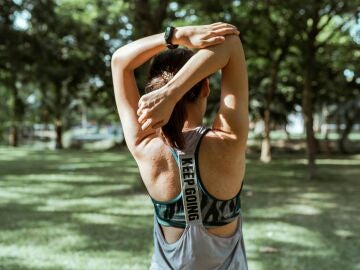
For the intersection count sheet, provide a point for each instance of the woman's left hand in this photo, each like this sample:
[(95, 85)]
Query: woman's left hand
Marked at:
[(201, 36), (155, 108)]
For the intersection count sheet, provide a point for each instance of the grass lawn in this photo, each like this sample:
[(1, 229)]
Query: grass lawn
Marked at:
[(88, 210)]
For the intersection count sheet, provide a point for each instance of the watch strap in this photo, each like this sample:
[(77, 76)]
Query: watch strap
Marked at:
[(169, 32)]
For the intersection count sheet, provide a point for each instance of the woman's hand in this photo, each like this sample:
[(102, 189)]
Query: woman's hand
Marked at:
[(201, 36), (155, 108)]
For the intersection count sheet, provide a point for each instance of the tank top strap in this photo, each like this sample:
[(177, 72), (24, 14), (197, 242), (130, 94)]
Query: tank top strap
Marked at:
[(188, 177), (192, 139)]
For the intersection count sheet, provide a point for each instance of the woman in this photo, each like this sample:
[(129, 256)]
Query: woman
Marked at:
[(193, 174)]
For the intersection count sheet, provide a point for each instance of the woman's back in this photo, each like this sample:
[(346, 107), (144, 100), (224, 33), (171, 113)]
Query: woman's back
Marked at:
[(221, 167), (197, 223), (190, 248)]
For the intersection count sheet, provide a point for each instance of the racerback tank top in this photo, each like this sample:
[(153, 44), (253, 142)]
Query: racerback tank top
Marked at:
[(197, 249), (214, 212)]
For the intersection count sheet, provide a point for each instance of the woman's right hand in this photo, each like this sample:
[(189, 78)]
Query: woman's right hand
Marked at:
[(201, 36), (155, 108)]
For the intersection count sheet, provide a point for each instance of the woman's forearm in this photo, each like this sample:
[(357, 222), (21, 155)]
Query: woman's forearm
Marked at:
[(204, 63), (138, 52), (218, 43)]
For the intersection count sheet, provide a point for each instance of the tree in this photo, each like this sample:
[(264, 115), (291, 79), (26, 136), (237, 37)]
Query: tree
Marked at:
[(14, 58), (269, 47), (339, 86), (72, 53), (314, 18)]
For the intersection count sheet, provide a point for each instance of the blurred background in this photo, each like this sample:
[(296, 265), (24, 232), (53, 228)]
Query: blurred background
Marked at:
[(71, 196)]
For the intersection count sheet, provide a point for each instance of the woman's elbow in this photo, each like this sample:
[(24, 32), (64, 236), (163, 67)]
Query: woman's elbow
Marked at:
[(116, 59), (119, 60)]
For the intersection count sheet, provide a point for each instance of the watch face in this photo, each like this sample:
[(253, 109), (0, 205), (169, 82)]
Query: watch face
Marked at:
[(167, 34)]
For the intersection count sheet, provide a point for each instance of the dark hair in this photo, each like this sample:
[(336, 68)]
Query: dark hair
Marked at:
[(163, 68)]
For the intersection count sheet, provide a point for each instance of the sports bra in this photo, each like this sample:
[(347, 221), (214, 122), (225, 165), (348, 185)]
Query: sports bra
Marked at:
[(214, 212)]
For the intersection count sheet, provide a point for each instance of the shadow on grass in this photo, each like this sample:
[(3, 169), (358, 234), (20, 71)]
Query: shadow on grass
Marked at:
[(14, 264), (135, 239), (294, 256), (132, 233), (323, 212), (92, 203)]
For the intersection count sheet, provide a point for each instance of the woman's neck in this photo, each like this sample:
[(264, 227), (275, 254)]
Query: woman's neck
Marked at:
[(189, 125)]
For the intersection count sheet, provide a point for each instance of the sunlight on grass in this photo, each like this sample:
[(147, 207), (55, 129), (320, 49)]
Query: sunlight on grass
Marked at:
[(281, 232), (56, 177), (89, 210), (9, 194), (8, 154), (315, 196), (344, 233), (291, 246), (74, 166), (278, 212), (254, 264), (43, 257), (97, 218), (80, 204), (338, 162)]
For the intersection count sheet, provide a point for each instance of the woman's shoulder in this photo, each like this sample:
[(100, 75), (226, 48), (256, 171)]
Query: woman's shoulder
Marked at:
[(224, 141), (158, 170), (154, 147)]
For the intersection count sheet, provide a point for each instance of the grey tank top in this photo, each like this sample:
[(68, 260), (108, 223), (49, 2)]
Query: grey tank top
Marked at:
[(196, 249)]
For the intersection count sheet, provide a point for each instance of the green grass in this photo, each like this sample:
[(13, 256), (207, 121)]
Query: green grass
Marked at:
[(88, 210)]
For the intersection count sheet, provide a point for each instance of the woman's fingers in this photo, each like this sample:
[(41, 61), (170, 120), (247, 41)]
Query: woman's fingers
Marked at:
[(138, 112), (213, 41), (146, 124), (142, 117), (217, 23), (149, 124), (223, 25), (141, 107), (226, 31)]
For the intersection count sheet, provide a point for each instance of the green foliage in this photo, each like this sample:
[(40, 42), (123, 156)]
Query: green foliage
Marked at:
[(59, 51)]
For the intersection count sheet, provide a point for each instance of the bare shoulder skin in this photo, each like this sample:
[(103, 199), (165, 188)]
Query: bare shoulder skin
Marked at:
[(222, 151)]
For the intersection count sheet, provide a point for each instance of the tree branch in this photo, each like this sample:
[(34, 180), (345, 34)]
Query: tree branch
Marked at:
[(329, 18), (331, 35)]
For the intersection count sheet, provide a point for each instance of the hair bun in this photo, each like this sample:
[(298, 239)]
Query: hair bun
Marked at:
[(167, 76)]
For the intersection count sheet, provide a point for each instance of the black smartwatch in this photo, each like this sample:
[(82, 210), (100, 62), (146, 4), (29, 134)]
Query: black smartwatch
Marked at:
[(169, 32)]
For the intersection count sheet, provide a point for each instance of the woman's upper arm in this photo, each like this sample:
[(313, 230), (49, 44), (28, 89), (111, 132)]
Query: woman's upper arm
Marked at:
[(232, 117), (127, 97)]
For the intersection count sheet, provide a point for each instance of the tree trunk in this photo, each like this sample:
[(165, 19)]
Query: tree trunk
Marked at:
[(287, 134), (147, 19), (14, 136), (327, 140), (349, 123), (17, 115), (58, 132), (266, 144), (307, 110)]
